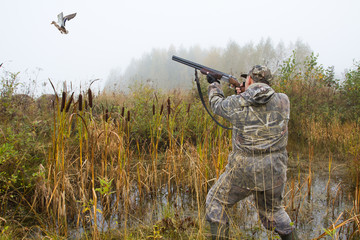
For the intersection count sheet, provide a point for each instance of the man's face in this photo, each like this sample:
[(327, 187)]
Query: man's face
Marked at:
[(248, 82)]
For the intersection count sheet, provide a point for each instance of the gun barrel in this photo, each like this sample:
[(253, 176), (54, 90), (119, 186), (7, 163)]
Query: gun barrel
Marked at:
[(187, 62), (206, 70), (197, 66)]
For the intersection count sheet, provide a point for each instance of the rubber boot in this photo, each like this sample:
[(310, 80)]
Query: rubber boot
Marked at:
[(290, 236), (219, 231)]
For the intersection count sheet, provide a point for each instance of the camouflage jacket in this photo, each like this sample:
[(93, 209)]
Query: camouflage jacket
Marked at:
[(259, 117)]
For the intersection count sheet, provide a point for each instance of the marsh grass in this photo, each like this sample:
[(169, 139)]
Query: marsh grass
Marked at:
[(168, 165), (139, 166)]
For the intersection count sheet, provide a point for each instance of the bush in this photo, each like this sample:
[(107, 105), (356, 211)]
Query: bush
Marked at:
[(351, 93)]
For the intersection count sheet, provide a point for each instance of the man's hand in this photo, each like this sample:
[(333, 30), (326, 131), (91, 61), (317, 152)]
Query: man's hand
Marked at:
[(240, 89), (211, 79)]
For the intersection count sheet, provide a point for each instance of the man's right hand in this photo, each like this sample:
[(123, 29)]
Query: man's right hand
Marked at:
[(237, 90)]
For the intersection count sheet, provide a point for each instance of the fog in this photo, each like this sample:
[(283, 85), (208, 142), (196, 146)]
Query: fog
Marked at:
[(105, 37), (156, 69)]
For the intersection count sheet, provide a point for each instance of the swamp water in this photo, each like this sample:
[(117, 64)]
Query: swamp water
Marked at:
[(311, 213)]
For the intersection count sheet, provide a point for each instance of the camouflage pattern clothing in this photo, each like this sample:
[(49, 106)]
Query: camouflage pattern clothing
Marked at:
[(258, 161)]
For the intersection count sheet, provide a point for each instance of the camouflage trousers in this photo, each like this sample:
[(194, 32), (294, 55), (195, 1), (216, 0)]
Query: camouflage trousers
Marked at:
[(225, 193)]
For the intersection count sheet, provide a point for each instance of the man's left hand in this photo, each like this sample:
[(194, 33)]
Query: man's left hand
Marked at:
[(211, 79)]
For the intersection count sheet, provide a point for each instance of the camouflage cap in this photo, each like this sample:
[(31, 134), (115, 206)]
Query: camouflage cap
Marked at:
[(259, 73)]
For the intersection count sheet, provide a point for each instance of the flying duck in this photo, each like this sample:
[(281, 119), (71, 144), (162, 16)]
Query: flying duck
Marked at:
[(61, 22)]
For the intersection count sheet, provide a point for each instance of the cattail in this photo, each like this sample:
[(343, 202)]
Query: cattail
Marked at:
[(153, 109), (69, 103), (162, 109), (128, 116), (188, 109), (122, 112), (106, 115), (63, 100), (80, 102), (90, 98), (168, 106)]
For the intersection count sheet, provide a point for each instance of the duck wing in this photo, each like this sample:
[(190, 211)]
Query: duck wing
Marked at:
[(69, 17), (60, 19)]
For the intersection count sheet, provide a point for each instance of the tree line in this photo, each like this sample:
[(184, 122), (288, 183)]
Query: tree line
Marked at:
[(158, 70)]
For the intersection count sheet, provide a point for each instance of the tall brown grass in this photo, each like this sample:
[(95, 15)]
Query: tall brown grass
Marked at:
[(106, 162)]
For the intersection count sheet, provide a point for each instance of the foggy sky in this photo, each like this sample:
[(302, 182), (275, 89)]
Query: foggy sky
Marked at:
[(107, 35)]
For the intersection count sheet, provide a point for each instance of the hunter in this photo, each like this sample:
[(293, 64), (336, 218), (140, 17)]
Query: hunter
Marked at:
[(258, 161)]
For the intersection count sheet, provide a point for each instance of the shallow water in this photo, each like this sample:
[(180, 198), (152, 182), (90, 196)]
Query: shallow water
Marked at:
[(311, 214), (330, 197)]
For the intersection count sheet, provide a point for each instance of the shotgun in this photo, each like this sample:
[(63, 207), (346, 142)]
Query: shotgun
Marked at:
[(215, 73)]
